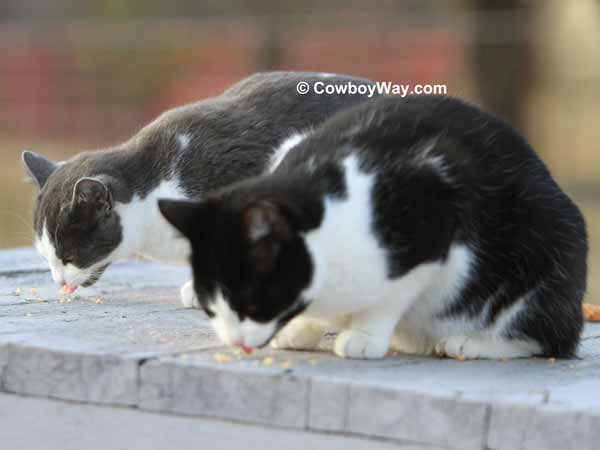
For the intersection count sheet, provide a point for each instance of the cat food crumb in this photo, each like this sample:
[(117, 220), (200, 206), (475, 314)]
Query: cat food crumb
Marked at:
[(222, 358), (33, 291), (98, 301), (18, 291), (67, 290), (551, 360), (247, 350), (591, 312), (313, 362), (268, 361), (460, 358), (287, 365)]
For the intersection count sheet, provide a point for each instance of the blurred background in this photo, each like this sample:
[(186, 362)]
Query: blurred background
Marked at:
[(78, 75)]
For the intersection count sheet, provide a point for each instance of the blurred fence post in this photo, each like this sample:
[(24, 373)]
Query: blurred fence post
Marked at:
[(501, 53), (270, 51)]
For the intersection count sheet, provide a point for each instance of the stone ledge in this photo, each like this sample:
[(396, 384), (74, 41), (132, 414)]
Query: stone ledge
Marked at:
[(86, 377), (61, 425), (127, 341), (548, 427)]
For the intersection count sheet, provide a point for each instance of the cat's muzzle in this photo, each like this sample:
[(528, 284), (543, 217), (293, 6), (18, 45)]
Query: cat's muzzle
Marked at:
[(94, 277)]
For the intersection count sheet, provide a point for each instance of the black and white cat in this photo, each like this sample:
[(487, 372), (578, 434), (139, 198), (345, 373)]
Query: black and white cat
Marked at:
[(100, 206), (424, 224)]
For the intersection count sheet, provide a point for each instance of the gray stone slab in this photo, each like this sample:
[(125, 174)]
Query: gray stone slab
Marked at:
[(128, 341), (127, 275), (509, 426), (591, 332), (246, 394), (329, 404), (542, 427), (340, 396), (36, 424), (411, 416), (425, 400), (107, 318), (87, 347), (21, 260), (71, 376), (4, 354), (122, 324)]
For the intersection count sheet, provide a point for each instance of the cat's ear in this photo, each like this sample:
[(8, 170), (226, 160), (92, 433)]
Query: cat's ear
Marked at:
[(267, 229), (38, 168), (91, 198), (182, 214), (265, 219)]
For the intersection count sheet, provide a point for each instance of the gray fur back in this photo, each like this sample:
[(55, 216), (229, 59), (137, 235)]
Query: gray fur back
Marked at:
[(202, 146)]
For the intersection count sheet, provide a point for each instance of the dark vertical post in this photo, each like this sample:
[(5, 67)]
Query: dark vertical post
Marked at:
[(501, 56)]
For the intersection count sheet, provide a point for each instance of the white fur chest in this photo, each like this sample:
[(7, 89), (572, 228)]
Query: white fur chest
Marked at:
[(145, 230), (349, 264)]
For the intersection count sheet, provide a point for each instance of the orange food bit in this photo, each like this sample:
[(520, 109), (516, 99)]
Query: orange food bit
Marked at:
[(222, 358), (66, 289), (591, 313), (246, 350), (268, 361)]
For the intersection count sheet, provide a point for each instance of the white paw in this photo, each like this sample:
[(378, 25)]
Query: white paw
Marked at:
[(188, 295), (358, 344), (456, 347), (475, 347), (298, 335)]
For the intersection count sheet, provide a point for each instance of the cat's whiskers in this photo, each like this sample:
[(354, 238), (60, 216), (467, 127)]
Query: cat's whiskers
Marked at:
[(21, 218), (20, 235)]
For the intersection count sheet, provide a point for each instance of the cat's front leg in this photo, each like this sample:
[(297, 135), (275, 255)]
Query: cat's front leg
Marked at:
[(188, 295), (300, 334), (369, 335), (485, 347)]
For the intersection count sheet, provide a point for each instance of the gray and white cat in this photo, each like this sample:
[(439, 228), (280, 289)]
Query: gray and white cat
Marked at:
[(100, 206)]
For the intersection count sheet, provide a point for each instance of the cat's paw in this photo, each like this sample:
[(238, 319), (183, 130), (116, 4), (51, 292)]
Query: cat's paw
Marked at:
[(188, 295), (298, 335), (358, 344), (474, 347), (457, 347)]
